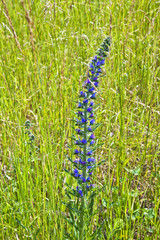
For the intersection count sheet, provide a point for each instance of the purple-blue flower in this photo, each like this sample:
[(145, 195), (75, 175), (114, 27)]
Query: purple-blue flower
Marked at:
[(92, 136), (80, 161), (103, 61), (76, 151), (82, 94), (76, 161), (92, 142), (91, 65), (89, 167), (91, 103), (83, 163), (98, 63), (78, 121), (81, 193), (76, 173), (89, 153), (89, 109), (91, 116), (80, 113), (93, 96), (84, 120), (95, 58), (91, 160), (78, 130), (92, 121), (85, 101), (87, 82), (89, 129), (91, 89), (96, 84), (83, 141), (80, 105), (83, 179), (89, 186)]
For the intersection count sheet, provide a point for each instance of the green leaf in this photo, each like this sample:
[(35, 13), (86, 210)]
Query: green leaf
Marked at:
[(36, 233), (90, 207), (134, 193), (135, 171), (104, 202), (72, 223), (73, 193), (76, 165), (98, 146), (19, 222), (96, 126), (100, 163), (33, 222), (67, 236), (73, 209), (97, 191), (97, 233)]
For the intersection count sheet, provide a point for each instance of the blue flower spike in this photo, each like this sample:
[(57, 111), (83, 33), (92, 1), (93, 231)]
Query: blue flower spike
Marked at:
[(84, 162)]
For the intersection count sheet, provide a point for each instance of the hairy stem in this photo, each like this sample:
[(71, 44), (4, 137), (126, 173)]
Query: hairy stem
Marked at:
[(84, 175)]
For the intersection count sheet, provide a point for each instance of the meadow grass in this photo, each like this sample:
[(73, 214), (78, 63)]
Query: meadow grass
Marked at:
[(45, 50)]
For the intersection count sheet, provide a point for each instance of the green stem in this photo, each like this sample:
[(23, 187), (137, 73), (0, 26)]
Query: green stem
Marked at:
[(81, 232)]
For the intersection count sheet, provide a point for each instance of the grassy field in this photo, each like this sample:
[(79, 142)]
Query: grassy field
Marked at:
[(45, 50)]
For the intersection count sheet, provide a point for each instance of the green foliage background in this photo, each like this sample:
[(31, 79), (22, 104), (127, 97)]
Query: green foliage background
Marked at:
[(45, 49)]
